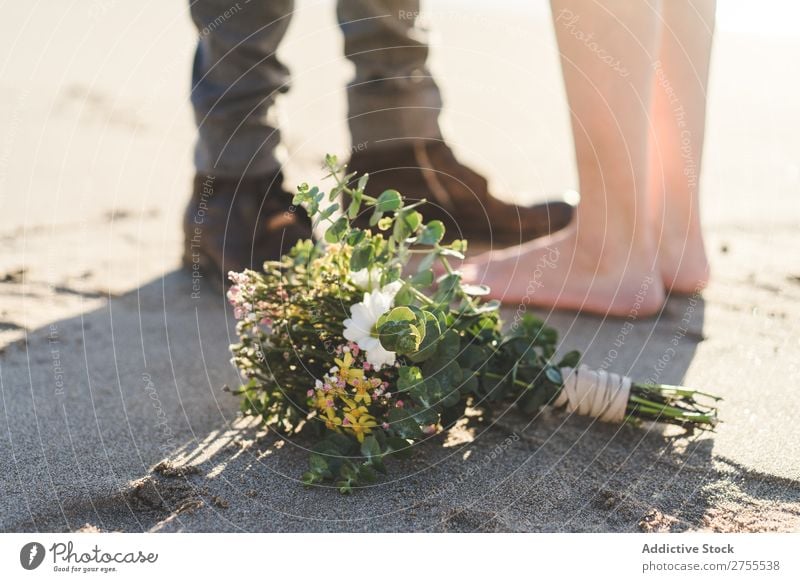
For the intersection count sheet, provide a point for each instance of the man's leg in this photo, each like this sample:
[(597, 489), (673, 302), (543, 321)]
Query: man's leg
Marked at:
[(393, 95), (239, 214), (394, 105), (235, 79)]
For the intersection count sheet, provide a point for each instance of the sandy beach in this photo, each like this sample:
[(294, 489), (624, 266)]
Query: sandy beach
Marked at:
[(114, 415)]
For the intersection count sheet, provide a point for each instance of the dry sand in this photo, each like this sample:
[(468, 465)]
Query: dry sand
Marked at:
[(111, 374)]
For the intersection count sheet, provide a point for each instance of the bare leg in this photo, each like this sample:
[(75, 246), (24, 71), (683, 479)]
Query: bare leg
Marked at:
[(606, 263), (679, 108)]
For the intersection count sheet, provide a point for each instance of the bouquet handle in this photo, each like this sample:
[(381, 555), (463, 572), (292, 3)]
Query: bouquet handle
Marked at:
[(611, 397)]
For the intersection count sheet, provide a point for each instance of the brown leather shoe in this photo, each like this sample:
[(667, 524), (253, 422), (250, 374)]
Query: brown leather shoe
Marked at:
[(231, 225), (456, 195)]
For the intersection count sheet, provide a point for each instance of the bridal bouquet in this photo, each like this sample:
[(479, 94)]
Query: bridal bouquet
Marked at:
[(340, 339)]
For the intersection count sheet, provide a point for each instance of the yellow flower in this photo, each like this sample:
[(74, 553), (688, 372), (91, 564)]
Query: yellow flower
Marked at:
[(361, 392), (346, 373), (324, 402), (333, 422), (359, 422)]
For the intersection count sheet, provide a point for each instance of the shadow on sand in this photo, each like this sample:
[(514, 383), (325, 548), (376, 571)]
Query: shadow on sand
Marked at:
[(140, 436)]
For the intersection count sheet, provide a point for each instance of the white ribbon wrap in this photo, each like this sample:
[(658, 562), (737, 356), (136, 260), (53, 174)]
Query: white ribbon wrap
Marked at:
[(596, 393)]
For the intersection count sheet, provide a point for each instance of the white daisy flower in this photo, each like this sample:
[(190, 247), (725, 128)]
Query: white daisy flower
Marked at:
[(365, 315), (366, 279)]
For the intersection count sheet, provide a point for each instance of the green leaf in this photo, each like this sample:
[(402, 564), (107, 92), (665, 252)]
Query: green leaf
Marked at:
[(337, 230), (366, 473), (399, 447), (553, 375), (370, 447), (451, 253), (432, 233), (486, 307), (404, 297), (310, 478), (389, 200), (362, 182), (427, 393), (356, 236), (475, 290), (406, 224), (376, 217), (362, 256), (448, 285), (427, 262), (402, 425), (459, 245), (318, 464), (408, 376), (398, 333), (398, 314), (355, 204), (423, 279), (427, 347), (425, 415), (570, 359), (449, 345), (473, 356), (470, 385)]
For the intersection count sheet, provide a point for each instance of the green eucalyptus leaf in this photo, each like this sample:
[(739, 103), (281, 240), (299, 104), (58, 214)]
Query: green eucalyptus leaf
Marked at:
[(318, 465), (336, 231), (475, 290), (371, 449), (431, 233), (486, 307), (429, 344), (408, 376), (362, 256), (406, 223), (366, 474), (388, 201), (423, 279), (553, 375), (570, 360), (451, 253), (400, 335), (403, 425), (448, 285), (404, 297), (427, 262), (362, 183), (397, 314), (355, 236), (399, 447)]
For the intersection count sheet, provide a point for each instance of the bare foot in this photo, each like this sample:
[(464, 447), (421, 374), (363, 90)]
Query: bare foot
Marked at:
[(682, 260), (675, 221), (566, 271)]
